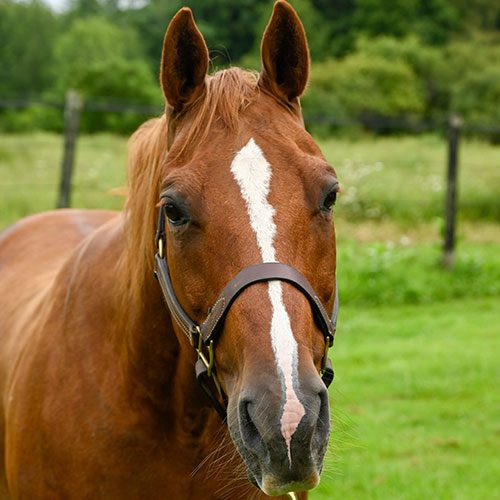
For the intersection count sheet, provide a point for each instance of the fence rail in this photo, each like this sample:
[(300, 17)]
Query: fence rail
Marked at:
[(74, 106), (373, 122)]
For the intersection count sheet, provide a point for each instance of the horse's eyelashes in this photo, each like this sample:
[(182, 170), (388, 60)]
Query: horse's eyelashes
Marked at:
[(175, 215), (330, 199)]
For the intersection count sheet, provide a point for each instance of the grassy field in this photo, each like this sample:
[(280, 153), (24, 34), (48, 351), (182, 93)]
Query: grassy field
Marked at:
[(390, 180), (415, 401)]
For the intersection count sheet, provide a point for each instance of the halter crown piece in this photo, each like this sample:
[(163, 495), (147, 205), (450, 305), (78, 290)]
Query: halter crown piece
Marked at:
[(203, 336)]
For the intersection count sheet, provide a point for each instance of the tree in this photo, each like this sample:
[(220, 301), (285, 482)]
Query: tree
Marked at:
[(91, 41), (27, 34), (228, 26), (105, 63)]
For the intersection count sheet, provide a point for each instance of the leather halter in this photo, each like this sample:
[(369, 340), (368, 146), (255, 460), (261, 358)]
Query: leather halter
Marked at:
[(202, 336)]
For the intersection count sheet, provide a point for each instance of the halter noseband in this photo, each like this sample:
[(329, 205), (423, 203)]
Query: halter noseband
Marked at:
[(202, 337)]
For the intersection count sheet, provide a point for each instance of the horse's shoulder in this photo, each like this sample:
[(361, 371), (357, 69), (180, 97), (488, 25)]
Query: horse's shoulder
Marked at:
[(48, 235), (33, 251)]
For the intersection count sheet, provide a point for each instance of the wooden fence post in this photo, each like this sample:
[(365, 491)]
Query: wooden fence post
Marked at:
[(454, 126), (72, 109)]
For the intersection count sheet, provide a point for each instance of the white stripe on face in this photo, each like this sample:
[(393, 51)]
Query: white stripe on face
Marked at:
[(253, 175)]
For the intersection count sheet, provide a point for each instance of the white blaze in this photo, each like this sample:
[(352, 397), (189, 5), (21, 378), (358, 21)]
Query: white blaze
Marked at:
[(253, 174)]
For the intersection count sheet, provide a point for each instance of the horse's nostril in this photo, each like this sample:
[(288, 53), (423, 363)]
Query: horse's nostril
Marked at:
[(249, 431), (323, 419)]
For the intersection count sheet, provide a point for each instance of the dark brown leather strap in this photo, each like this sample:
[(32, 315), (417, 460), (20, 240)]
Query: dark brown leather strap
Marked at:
[(189, 327), (257, 273)]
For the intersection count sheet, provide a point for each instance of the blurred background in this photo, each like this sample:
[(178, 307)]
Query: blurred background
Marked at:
[(403, 94)]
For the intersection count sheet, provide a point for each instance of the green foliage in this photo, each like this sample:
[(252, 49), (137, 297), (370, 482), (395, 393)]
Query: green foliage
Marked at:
[(477, 97), (387, 77), (429, 66), (119, 81), (27, 35), (104, 63), (150, 23), (36, 117), (227, 26), (479, 14), (433, 20), (383, 273), (91, 41), (364, 86)]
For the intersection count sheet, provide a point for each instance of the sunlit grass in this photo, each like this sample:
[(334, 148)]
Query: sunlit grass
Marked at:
[(29, 173), (396, 179), (404, 178), (415, 403)]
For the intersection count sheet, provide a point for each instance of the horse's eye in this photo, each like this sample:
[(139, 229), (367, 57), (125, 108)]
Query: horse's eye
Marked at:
[(174, 214), (330, 199)]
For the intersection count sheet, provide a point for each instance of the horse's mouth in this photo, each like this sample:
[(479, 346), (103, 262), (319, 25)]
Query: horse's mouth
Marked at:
[(273, 486), (277, 483)]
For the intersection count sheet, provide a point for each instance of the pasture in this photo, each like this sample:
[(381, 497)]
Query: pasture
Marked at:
[(415, 400)]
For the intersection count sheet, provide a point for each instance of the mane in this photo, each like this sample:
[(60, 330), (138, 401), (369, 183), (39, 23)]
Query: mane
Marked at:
[(227, 93)]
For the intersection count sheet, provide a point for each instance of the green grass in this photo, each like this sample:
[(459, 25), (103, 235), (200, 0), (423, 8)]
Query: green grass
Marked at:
[(396, 178), (29, 173), (415, 403), (379, 273), (404, 178)]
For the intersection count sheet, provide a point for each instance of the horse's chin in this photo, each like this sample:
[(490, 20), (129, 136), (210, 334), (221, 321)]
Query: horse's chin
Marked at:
[(261, 475), (272, 485)]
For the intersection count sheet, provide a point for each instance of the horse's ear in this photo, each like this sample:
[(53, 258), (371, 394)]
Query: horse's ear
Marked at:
[(184, 60), (285, 54)]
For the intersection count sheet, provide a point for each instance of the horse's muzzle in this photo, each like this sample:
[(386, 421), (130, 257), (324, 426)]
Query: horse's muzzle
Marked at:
[(277, 462)]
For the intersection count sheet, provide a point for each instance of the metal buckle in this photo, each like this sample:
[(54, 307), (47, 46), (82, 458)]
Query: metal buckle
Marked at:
[(160, 247), (209, 363), (328, 344)]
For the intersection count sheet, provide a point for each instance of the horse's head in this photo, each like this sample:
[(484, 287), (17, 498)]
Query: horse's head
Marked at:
[(244, 183)]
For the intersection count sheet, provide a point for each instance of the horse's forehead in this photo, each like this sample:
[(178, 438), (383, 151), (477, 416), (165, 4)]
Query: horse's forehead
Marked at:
[(290, 155)]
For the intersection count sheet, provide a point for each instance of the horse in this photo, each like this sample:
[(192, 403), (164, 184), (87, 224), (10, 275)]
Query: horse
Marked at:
[(100, 398)]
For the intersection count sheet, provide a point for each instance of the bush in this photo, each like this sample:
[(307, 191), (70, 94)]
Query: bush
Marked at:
[(36, 117), (104, 63), (428, 64), (27, 35), (365, 88), (118, 81), (477, 97), (475, 80)]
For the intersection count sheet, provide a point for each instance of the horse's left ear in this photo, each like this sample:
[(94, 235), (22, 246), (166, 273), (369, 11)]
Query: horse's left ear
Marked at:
[(285, 54), (184, 61)]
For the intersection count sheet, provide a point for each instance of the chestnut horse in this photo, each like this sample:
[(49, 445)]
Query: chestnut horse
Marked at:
[(100, 399)]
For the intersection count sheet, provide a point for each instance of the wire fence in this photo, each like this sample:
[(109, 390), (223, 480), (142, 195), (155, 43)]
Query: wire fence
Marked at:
[(73, 107), (371, 122)]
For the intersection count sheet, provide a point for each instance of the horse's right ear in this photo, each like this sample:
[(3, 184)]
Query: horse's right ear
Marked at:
[(184, 61)]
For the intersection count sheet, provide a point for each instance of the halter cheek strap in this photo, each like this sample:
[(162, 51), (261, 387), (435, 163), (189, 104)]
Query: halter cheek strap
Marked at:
[(202, 336)]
